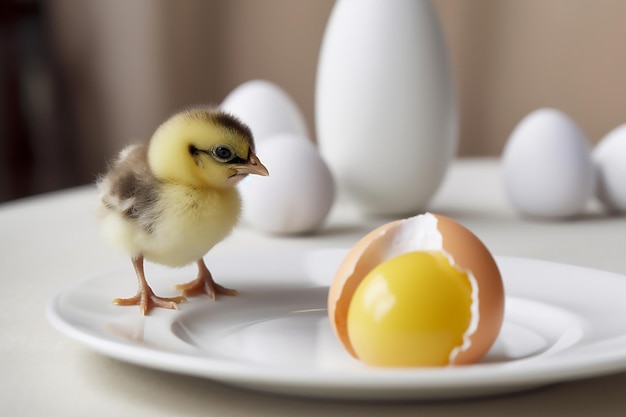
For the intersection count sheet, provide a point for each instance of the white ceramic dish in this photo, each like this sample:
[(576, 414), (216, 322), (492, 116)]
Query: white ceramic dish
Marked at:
[(562, 322)]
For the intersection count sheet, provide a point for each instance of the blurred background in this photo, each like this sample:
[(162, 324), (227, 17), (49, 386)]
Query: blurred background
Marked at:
[(79, 79)]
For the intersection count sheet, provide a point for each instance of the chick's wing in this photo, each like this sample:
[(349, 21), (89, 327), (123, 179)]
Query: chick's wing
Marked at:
[(130, 188)]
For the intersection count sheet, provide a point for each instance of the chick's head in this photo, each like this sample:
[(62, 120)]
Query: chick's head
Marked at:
[(203, 147)]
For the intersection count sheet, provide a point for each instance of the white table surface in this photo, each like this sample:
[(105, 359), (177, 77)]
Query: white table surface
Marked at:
[(51, 240)]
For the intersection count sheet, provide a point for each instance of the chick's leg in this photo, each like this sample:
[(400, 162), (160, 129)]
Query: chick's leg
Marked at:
[(204, 284), (145, 297)]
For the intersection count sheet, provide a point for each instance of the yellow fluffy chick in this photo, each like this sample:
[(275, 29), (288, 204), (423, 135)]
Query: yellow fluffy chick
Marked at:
[(171, 200)]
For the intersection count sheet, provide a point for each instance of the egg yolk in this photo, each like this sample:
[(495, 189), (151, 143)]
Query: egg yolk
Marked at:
[(411, 310)]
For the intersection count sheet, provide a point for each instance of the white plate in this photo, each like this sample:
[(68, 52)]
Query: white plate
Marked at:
[(561, 323)]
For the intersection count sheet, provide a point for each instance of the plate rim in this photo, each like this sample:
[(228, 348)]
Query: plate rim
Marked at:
[(389, 384)]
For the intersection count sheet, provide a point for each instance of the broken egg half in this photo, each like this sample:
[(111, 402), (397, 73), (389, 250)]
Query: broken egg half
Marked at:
[(422, 291)]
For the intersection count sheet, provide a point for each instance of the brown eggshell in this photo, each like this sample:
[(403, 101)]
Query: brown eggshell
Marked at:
[(470, 254), (362, 258)]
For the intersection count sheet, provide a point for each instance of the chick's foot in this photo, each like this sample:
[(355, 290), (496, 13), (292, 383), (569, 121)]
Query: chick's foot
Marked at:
[(147, 300), (145, 297), (204, 284)]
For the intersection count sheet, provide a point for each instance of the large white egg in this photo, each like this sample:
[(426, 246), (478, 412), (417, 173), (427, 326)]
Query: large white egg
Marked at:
[(297, 195), (385, 105), (609, 157), (547, 166), (267, 109)]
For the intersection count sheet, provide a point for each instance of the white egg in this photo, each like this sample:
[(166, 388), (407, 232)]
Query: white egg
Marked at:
[(609, 157), (547, 166), (297, 195), (385, 106), (267, 109)]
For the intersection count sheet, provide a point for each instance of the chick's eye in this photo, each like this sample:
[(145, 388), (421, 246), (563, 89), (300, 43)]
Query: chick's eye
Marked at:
[(222, 153)]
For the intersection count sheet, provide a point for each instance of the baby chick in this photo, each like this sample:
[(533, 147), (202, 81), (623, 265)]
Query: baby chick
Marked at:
[(171, 200)]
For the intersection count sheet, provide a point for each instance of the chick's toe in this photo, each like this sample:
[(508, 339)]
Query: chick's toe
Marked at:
[(204, 284), (147, 300)]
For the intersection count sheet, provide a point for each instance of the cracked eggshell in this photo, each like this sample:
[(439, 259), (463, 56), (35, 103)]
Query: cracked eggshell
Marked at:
[(426, 232)]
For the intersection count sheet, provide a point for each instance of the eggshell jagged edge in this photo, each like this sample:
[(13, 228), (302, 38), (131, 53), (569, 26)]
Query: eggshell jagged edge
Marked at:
[(425, 232)]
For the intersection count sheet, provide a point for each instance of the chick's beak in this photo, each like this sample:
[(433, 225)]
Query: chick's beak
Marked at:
[(253, 166)]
